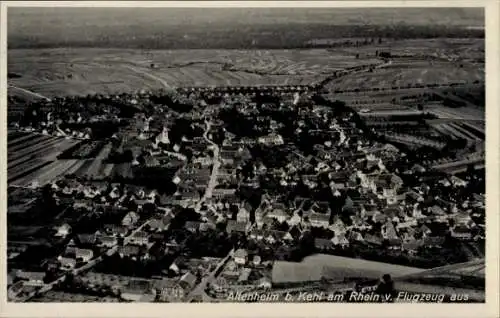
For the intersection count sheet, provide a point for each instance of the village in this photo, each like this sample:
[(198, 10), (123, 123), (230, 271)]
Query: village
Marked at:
[(197, 194)]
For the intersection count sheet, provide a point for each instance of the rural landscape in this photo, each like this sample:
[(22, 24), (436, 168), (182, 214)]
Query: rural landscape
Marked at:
[(246, 155)]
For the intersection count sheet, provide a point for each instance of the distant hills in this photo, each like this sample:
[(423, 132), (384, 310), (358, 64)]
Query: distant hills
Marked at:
[(173, 28)]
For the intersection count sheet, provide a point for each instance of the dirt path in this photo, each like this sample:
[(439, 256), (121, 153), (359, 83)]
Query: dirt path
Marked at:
[(152, 76), (28, 92)]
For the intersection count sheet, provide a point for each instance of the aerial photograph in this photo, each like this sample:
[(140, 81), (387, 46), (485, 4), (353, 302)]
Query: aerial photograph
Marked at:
[(236, 155)]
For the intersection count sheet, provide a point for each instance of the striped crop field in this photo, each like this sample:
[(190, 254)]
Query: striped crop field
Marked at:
[(467, 113), (30, 157), (47, 174), (458, 130), (401, 74)]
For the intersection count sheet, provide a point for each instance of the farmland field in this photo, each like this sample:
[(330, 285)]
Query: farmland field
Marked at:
[(421, 72), (71, 71), (334, 267), (53, 72), (32, 157)]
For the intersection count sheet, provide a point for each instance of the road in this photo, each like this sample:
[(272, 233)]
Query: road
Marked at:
[(347, 72), (27, 92), (152, 76), (200, 288), (215, 169)]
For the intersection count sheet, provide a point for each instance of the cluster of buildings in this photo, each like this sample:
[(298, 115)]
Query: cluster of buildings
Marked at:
[(345, 191)]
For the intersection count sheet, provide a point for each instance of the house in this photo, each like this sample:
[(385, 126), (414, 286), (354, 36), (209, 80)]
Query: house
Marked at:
[(240, 256), (270, 237), (286, 236), (86, 239), (177, 264), (187, 281), (379, 217), (264, 283), (433, 241), (278, 213), (294, 220), (389, 231), (204, 161), (281, 236), (322, 207), (323, 244), (256, 260), (130, 251), (271, 139), (411, 247), (418, 169), (115, 230), (107, 241), (67, 263), (319, 220), (395, 243), (165, 200), (192, 226), (295, 233), (84, 255), (207, 226), (130, 219), (63, 230), (407, 225), (10, 278), (219, 285), (372, 239), (355, 236), (463, 218), (340, 240), (234, 226), (221, 193), (210, 217), (31, 278), (457, 182), (114, 193), (244, 274), (140, 238), (160, 224), (461, 232), (338, 227), (368, 210), (139, 290), (393, 211), (243, 215), (425, 231), (388, 185), (408, 235), (169, 290), (414, 197), (436, 211), (257, 234)]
